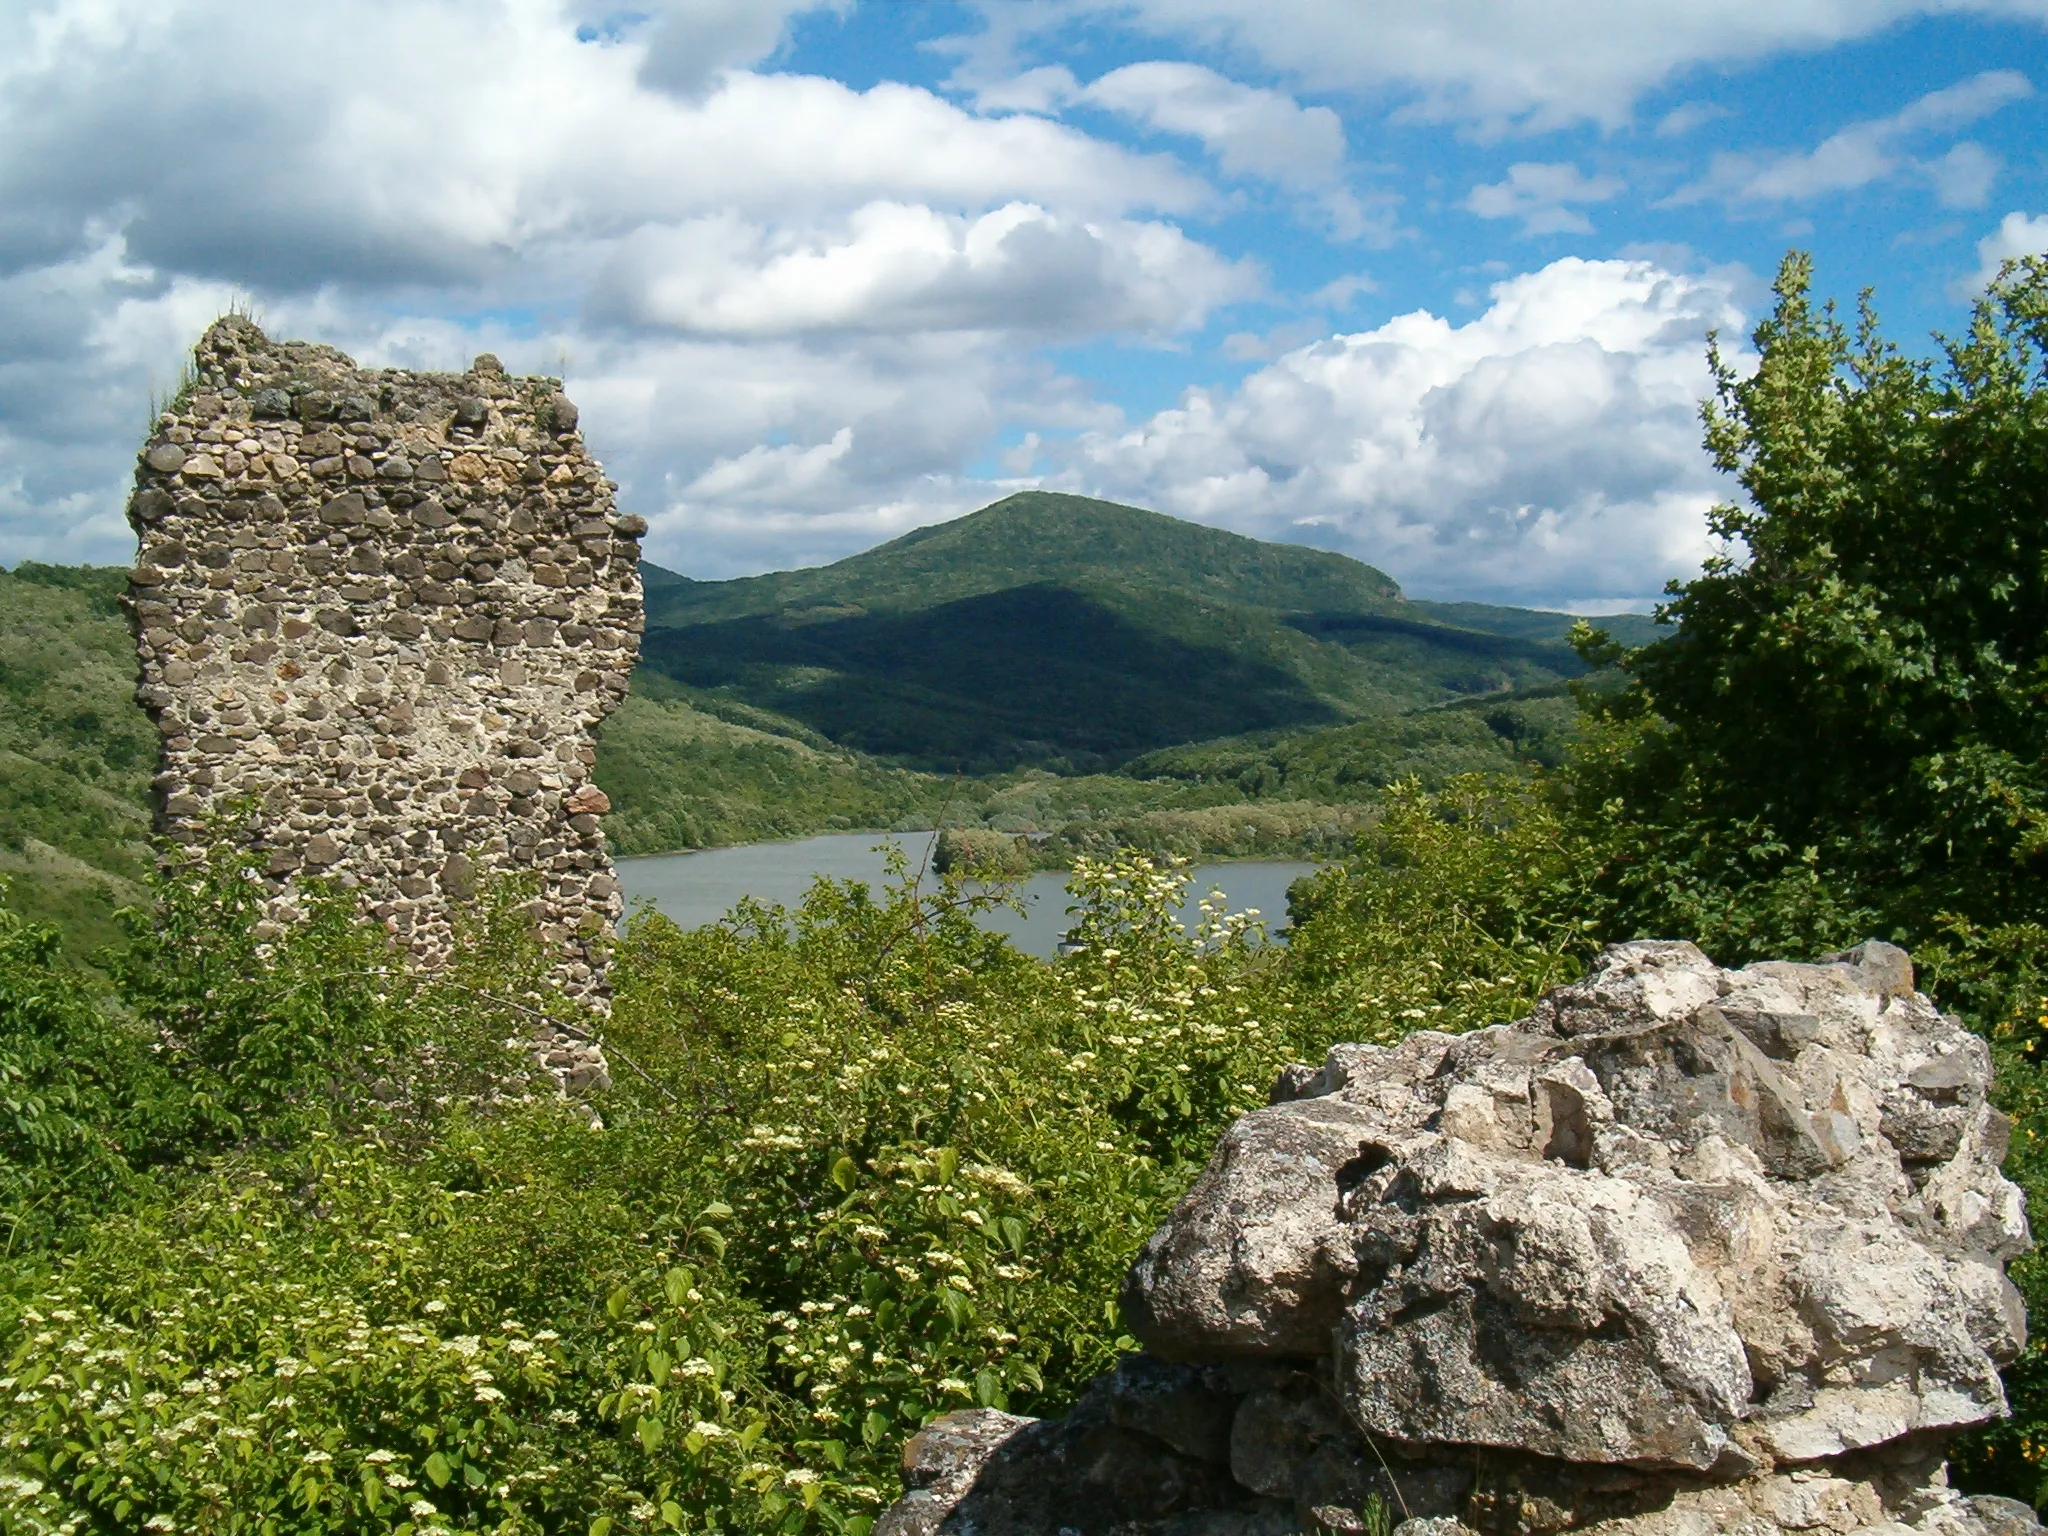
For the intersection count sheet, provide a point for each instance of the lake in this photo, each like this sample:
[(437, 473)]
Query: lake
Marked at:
[(691, 889)]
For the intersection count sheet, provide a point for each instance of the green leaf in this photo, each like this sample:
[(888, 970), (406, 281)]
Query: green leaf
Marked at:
[(619, 1302), (717, 1210), (658, 1366), (672, 1515), (949, 1164), (835, 1452), (1013, 1233), (711, 1238), (675, 1285), (650, 1433), (845, 1173), (601, 1526), (438, 1470), (986, 1388)]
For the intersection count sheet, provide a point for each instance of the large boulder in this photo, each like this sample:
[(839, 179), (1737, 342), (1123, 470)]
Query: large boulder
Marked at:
[(1686, 1250)]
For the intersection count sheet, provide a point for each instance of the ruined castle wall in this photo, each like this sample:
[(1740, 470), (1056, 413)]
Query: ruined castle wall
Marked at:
[(388, 611)]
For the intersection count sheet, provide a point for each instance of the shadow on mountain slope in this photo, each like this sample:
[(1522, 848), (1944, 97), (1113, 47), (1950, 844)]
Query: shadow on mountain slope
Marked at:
[(1036, 674)]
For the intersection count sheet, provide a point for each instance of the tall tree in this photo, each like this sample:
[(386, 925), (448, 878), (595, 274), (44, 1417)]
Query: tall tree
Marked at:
[(1846, 731)]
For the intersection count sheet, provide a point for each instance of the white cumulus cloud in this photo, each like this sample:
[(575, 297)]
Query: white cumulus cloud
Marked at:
[(1253, 132), (1876, 150), (1543, 197), (1529, 65), (901, 267), (2018, 234), (1547, 450), (732, 262)]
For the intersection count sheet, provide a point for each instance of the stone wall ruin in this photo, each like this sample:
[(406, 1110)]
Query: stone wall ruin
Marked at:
[(386, 612)]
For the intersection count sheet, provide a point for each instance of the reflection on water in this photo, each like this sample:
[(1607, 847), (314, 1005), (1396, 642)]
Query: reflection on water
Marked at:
[(696, 888)]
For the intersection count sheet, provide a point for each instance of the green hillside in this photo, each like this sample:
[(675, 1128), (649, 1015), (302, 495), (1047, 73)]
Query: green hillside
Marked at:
[(75, 752), (1075, 635), (1094, 673), (1535, 623), (1043, 537)]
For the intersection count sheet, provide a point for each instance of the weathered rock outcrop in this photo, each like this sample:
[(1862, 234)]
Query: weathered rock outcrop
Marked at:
[(1687, 1250), (382, 613)]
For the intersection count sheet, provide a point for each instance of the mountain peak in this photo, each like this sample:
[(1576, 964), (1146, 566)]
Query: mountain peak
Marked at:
[(1051, 538)]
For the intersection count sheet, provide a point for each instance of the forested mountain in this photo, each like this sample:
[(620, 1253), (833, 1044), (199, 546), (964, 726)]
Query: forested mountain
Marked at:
[(75, 752), (1072, 634)]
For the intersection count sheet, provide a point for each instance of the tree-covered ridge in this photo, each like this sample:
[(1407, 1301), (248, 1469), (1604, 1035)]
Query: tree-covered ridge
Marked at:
[(1037, 537), (1070, 634), (75, 751)]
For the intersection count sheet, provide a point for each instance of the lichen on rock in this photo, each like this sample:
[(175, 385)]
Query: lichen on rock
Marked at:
[(1687, 1250), (380, 615)]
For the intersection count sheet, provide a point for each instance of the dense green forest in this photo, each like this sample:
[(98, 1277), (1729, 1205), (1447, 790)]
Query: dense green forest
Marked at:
[(1061, 651), (293, 1248), (1070, 634), (75, 752)]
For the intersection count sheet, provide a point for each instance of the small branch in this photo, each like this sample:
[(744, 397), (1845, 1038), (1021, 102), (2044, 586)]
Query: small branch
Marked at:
[(562, 1024)]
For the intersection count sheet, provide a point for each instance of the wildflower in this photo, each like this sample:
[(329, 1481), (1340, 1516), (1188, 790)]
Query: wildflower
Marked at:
[(421, 1509), (379, 1457), (709, 1430), (954, 1384), (434, 1306), (800, 1477)]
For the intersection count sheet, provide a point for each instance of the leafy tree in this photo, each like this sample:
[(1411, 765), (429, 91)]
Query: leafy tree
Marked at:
[(1845, 734)]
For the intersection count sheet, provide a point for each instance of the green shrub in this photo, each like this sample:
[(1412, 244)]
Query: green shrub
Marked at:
[(865, 1164)]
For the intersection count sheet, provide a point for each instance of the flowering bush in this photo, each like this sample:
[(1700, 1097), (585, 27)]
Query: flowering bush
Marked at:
[(333, 1263)]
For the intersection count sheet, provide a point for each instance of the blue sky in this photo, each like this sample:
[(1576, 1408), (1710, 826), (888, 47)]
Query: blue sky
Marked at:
[(1425, 284)]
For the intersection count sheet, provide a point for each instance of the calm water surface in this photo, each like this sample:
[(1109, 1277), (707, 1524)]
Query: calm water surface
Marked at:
[(696, 888)]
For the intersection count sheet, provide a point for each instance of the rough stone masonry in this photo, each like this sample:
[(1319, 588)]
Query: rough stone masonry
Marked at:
[(383, 613), (1686, 1252)]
